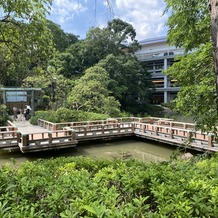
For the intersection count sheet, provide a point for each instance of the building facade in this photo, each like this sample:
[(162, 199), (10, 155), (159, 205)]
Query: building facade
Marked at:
[(158, 56)]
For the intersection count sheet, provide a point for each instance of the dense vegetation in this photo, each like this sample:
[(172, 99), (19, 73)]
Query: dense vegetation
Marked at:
[(4, 117), (66, 115), (190, 28), (84, 187), (60, 63)]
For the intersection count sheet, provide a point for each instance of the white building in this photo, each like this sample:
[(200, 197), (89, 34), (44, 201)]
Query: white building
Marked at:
[(158, 56)]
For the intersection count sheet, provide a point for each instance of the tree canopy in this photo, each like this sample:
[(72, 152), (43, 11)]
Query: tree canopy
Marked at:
[(25, 40), (190, 28), (61, 39), (130, 83), (91, 93), (189, 23)]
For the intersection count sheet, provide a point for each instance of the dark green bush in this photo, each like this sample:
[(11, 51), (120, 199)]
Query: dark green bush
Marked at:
[(3, 115), (66, 115), (45, 115)]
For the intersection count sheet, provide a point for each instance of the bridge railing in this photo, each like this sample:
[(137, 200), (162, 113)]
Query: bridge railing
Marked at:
[(176, 124), (9, 131), (46, 124), (46, 138), (58, 126), (86, 131), (180, 134)]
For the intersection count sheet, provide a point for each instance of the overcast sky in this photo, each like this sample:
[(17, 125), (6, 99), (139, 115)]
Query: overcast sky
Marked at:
[(78, 16)]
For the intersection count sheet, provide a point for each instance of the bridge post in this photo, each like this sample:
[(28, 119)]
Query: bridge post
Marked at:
[(50, 137), (85, 130), (143, 128), (133, 126), (25, 139), (118, 127), (102, 128), (18, 137), (156, 130), (171, 132), (73, 134), (210, 140)]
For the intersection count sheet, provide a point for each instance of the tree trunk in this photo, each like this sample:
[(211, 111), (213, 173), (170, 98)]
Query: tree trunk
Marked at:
[(213, 8)]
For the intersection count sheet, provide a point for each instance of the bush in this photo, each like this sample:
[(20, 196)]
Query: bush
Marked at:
[(66, 115), (85, 187), (45, 115), (3, 115)]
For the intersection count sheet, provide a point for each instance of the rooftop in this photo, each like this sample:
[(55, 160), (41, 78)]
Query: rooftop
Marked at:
[(153, 40)]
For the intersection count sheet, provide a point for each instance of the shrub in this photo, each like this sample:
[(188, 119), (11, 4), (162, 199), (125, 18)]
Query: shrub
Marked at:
[(66, 115), (86, 187), (3, 115), (45, 115)]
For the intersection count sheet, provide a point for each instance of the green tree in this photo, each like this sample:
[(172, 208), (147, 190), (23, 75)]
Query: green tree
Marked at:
[(130, 83), (91, 93), (55, 89), (66, 64), (61, 39), (24, 37), (190, 28), (117, 38)]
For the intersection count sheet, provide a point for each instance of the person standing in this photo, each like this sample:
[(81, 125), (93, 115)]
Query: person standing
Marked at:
[(27, 113)]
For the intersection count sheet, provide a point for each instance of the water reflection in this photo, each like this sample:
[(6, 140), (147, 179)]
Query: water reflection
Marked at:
[(143, 150)]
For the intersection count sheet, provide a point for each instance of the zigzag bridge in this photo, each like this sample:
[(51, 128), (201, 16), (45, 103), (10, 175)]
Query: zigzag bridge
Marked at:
[(48, 136)]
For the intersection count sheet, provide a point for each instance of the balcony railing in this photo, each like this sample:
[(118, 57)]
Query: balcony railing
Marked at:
[(152, 55)]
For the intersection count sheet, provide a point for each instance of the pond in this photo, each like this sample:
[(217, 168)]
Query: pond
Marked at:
[(139, 149)]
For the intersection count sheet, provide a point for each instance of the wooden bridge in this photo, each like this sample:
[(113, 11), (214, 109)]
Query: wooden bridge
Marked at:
[(48, 135)]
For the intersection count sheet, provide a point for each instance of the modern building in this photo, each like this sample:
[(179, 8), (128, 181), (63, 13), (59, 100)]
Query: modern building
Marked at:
[(158, 56)]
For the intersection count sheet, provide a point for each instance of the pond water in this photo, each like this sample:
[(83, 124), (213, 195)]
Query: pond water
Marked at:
[(135, 148)]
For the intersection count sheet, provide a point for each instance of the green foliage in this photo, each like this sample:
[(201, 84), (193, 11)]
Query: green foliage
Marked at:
[(99, 43), (196, 98), (54, 91), (61, 39), (3, 115), (45, 115), (66, 115), (25, 41), (189, 23), (190, 28), (85, 187), (170, 105), (129, 82), (66, 64), (91, 93)]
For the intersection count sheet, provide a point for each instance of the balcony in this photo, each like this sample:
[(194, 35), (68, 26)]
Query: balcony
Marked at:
[(159, 55)]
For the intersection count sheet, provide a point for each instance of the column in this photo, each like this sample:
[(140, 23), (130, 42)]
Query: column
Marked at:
[(4, 97), (32, 103), (165, 82)]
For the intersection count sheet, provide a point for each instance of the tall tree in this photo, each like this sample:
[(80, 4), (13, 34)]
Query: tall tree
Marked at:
[(61, 39), (213, 9), (91, 93), (129, 82), (24, 35), (190, 28), (117, 38)]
